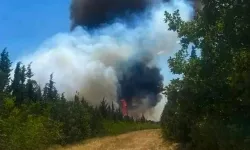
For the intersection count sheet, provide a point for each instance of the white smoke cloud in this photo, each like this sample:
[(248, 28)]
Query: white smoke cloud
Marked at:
[(85, 62)]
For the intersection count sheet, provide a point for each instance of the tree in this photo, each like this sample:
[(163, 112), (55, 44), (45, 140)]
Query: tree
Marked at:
[(63, 99), (16, 83), (5, 70), (104, 108), (38, 93), (208, 106), (22, 84), (50, 93), (77, 97), (31, 85)]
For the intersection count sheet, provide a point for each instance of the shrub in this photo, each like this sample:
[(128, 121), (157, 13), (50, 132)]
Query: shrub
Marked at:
[(214, 134), (19, 131)]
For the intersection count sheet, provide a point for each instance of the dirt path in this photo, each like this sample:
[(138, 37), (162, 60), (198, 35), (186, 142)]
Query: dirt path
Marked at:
[(139, 140)]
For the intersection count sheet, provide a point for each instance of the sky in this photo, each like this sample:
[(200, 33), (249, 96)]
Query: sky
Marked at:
[(24, 24)]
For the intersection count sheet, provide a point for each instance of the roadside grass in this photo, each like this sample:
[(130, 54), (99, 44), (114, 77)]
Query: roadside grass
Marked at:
[(115, 128)]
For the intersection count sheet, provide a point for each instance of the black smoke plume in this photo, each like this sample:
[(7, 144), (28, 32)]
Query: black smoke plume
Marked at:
[(94, 13), (140, 81)]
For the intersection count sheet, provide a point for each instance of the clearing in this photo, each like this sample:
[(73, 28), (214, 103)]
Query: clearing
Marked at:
[(138, 140)]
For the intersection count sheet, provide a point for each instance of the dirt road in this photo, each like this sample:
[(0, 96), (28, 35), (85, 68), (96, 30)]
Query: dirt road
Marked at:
[(139, 140)]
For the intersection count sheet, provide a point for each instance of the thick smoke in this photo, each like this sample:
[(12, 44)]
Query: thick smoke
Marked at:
[(97, 13), (109, 61), (94, 13), (138, 79)]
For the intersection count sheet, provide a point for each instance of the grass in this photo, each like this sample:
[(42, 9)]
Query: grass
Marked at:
[(115, 128)]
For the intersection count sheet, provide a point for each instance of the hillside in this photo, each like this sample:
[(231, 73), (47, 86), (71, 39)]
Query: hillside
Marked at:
[(138, 140)]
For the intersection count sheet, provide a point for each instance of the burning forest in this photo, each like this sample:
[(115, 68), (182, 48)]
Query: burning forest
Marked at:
[(115, 50)]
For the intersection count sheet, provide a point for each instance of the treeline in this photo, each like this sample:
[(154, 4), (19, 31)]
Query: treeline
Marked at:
[(32, 117), (208, 108)]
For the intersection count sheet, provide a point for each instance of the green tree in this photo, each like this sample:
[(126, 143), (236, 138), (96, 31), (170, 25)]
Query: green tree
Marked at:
[(5, 70), (31, 85), (62, 98), (16, 83), (38, 93), (50, 93), (77, 97), (22, 84), (209, 105), (104, 108)]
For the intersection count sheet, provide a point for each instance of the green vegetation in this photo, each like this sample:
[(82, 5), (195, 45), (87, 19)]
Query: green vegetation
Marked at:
[(115, 128), (209, 107), (31, 118), (22, 129)]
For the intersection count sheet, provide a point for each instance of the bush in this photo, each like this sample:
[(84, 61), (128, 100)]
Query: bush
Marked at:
[(19, 131), (212, 134), (175, 124)]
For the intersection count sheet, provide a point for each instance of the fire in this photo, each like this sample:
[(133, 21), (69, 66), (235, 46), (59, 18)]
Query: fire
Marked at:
[(124, 107)]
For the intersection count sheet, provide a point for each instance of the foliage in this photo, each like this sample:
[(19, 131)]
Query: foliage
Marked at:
[(31, 118), (209, 106), (20, 130), (5, 69)]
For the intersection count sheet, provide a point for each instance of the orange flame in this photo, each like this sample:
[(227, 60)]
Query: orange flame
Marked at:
[(124, 107)]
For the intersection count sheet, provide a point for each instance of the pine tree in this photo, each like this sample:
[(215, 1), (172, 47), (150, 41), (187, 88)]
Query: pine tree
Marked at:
[(113, 112), (112, 107), (51, 87), (16, 83), (103, 109), (77, 99), (22, 84), (84, 102), (5, 70), (50, 92), (109, 112), (30, 85), (38, 93), (45, 93), (62, 98), (29, 73)]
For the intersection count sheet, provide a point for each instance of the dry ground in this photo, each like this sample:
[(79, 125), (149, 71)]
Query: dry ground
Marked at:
[(138, 140)]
